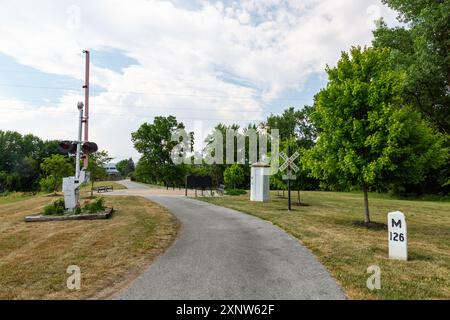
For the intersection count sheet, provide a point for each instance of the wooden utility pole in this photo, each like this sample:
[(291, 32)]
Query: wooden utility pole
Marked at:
[(86, 106)]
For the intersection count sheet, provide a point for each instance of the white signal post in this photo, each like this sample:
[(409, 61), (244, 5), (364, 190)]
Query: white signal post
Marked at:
[(71, 185)]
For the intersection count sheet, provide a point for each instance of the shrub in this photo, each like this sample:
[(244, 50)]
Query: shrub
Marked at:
[(95, 206), (235, 192), (56, 208), (234, 176), (48, 183)]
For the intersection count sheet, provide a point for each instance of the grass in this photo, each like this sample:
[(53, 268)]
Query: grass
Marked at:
[(328, 226), (156, 186), (86, 189), (15, 196), (34, 256)]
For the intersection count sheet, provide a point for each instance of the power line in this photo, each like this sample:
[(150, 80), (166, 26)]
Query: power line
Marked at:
[(150, 93), (209, 109), (124, 115)]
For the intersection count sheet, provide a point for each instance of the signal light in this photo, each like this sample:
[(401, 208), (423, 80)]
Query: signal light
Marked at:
[(67, 147), (89, 147)]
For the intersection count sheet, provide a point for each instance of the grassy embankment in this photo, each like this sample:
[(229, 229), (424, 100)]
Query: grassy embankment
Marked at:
[(34, 256), (330, 227)]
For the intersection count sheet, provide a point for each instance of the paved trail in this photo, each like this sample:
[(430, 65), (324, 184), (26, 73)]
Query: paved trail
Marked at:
[(224, 254)]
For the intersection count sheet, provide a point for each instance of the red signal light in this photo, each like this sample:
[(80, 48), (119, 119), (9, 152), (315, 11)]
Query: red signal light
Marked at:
[(67, 147), (89, 147)]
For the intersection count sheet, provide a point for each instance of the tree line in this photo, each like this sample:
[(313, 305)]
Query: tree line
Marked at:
[(380, 124), (30, 164)]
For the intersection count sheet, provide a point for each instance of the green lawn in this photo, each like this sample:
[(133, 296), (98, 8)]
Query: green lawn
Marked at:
[(330, 226), (34, 256)]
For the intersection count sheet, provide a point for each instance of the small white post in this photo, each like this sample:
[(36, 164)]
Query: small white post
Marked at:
[(397, 236)]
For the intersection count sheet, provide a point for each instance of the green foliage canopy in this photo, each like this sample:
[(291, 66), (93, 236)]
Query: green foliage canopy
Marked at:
[(367, 135)]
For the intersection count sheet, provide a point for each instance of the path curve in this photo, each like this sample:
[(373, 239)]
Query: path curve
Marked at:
[(225, 254)]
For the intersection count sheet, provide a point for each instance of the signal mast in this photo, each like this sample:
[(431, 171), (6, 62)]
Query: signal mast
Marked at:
[(71, 185)]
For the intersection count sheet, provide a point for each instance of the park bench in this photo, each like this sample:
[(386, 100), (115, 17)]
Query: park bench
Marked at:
[(103, 189), (221, 189)]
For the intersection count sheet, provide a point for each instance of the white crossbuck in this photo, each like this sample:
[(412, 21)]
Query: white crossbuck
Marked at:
[(289, 163)]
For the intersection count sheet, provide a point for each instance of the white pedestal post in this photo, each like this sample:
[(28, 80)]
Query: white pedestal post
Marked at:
[(259, 184), (397, 236)]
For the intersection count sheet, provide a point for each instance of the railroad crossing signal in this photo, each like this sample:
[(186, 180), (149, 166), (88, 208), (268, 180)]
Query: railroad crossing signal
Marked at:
[(89, 147), (67, 147), (70, 147), (289, 164)]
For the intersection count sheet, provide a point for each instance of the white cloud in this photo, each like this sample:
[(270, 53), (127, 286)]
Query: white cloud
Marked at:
[(182, 53)]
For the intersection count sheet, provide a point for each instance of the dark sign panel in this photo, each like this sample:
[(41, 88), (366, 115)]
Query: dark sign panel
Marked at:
[(198, 182)]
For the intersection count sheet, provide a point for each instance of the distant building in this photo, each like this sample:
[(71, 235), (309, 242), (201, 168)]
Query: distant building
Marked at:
[(111, 169)]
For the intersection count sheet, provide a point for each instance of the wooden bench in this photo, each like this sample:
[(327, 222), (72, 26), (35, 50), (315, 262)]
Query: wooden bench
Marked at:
[(103, 189)]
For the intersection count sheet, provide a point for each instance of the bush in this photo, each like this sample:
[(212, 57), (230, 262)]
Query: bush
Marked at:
[(95, 206), (48, 183), (55, 209), (234, 176), (235, 192)]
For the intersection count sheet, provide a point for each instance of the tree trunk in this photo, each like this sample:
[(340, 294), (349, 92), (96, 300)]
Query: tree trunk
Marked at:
[(92, 188), (298, 197), (366, 204)]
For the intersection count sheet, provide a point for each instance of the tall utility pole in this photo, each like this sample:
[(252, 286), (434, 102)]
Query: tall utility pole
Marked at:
[(86, 106)]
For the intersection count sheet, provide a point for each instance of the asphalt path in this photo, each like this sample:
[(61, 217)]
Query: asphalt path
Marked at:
[(225, 254)]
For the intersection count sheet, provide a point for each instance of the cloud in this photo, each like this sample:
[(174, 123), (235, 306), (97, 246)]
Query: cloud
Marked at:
[(263, 47)]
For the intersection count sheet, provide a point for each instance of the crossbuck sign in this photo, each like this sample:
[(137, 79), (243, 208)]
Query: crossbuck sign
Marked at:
[(289, 163)]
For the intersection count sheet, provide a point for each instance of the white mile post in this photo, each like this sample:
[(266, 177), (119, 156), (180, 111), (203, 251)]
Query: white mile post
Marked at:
[(397, 236)]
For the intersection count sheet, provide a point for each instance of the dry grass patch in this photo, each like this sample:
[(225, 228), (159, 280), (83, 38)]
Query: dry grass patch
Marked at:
[(86, 189), (34, 256), (328, 227)]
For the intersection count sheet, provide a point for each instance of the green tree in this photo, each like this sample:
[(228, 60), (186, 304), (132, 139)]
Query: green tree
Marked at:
[(153, 141), (367, 136), (96, 164), (293, 124), (20, 158), (55, 168), (234, 176), (125, 167), (421, 50)]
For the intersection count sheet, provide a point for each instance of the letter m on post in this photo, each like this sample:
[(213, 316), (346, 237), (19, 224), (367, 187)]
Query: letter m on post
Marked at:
[(397, 223)]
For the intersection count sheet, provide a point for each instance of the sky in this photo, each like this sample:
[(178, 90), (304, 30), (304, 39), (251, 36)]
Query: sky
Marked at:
[(204, 62)]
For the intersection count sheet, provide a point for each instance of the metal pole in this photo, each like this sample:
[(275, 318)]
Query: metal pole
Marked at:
[(289, 179), (86, 103), (80, 130)]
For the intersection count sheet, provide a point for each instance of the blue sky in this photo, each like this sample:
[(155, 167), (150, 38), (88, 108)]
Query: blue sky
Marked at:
[(202, 61)]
